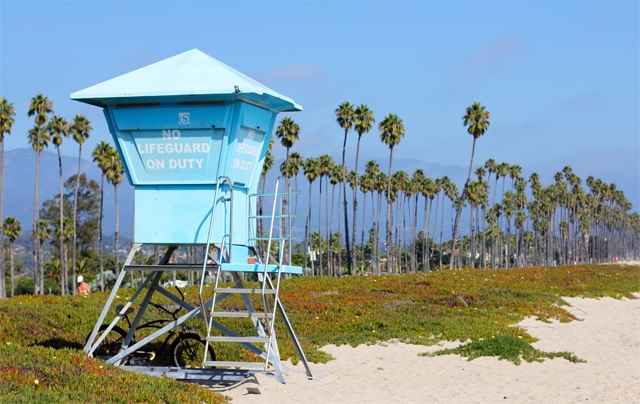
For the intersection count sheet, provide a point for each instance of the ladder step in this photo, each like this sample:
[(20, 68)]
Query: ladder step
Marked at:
[(269, 216), (240, 314), (238, 339), (234, 364), (293, 192), (170, 267), (244, 290), (272, 239)]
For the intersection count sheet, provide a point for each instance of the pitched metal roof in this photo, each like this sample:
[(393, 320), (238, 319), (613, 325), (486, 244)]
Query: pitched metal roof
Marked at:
[(189, 76)]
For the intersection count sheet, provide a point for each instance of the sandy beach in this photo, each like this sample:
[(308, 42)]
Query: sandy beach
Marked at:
[(608, 338)]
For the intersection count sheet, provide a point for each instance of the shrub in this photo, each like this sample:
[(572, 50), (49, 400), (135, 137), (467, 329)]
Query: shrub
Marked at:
[(504, 347)]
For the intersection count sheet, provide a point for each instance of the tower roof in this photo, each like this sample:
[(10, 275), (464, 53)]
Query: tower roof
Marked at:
[(189, 76)]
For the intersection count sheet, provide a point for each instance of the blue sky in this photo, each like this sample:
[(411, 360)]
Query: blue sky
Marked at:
[(561, 79)]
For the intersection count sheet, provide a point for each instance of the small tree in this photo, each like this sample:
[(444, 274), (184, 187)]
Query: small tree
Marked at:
[(11, 228)]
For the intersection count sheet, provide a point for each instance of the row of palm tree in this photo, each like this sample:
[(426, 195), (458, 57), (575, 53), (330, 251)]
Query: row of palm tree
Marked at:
[(514, 211), (514, 230)]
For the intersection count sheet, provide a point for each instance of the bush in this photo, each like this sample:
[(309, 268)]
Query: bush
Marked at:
[(24, 286), (504, 347), (51, 287)]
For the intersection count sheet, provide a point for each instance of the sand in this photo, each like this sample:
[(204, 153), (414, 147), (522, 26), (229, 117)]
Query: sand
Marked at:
[(608, 338)]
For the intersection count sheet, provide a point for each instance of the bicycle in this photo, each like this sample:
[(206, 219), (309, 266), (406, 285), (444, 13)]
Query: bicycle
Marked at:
[(187, 349)]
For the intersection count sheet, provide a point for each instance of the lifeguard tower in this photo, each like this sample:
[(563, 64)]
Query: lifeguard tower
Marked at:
[(193, 134)]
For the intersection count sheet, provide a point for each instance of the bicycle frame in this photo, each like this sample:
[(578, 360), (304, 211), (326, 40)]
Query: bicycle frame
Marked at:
[(159, 323)]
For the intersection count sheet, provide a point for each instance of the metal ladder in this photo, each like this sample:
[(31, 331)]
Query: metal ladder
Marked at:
[(268, 291)]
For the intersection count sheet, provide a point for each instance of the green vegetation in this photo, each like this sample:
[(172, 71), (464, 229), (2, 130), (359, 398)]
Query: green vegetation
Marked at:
[(41, 337), (504, 347)]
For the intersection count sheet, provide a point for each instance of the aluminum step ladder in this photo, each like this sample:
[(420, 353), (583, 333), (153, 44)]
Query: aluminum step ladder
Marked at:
[(263, 343)]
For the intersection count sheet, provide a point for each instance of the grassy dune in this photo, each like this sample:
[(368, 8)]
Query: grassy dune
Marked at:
[(41, 337)]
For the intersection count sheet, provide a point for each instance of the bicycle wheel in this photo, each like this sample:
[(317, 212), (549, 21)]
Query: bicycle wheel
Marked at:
[(111, 344), (188, 351)]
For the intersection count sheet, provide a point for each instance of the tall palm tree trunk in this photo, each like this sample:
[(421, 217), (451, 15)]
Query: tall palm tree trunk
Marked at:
[(380, 195), (426, 253), (11, 266), (331, 258), (116, 240), (364, 211), (283, 221), (63, 264), (340, 244), (3, 292), (36, 230), (100, 259), (435, 223), (388, 230), (75, 220), (473, 240), (355, 211), (320, 227), (414, 252), (441, 228), (483, 250), (346, 213), (460, 203), (374, 240), (326, 220), (308, 231)]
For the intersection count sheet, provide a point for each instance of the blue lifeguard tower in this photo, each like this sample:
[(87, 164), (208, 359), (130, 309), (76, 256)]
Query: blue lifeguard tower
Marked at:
[(193, 134)]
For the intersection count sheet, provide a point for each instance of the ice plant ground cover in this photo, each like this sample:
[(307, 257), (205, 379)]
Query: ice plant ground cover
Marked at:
[(41, 337)]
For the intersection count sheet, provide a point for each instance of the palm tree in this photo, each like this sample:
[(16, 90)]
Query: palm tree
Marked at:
[(344, 117), (400, 188), (53, 271), (80, 129), (39, 106), (268, 163), (295, 162), (7, 112), (288, 132), (114, 171), (391, 133), (58, 130), (429, 190), (352, 179), (100, 155), (366, 186), (417, 184), (45, 234), (325, 167), (11, 228), (514, 172), (372, 171), (476, 119), (291, 168), (491, 167), (337, 178), (363, 120), (310, 167), (450, 191), (381, 182), (82, 266), (64, 236)]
